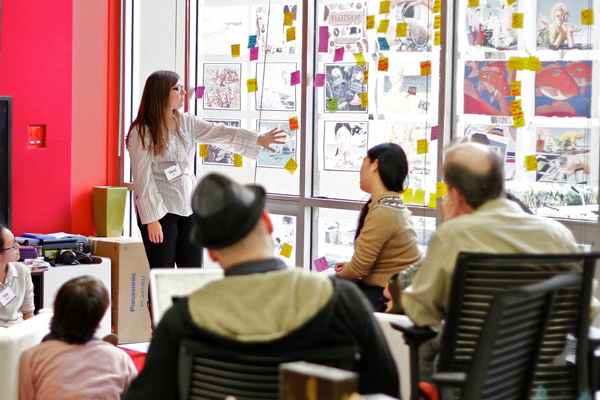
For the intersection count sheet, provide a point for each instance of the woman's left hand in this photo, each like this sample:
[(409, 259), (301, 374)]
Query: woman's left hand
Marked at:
[(274, 136)]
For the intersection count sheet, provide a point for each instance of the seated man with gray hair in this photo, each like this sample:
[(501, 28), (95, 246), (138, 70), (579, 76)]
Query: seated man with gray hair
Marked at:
[(260, 300)]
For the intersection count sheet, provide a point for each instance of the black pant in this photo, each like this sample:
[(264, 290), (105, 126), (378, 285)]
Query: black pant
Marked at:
[(176, 246), (374, 294)]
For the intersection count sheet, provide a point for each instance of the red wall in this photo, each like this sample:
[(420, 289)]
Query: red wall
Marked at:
[(58, 61)]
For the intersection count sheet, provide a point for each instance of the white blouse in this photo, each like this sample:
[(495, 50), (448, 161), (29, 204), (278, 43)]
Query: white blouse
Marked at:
[(153, 194)]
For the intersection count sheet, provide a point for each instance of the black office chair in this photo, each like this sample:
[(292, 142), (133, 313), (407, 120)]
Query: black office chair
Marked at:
[(207, 371), (505, 358), (478, 277)]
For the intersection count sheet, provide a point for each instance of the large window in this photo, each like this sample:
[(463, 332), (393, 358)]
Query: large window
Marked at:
[(355, 74)]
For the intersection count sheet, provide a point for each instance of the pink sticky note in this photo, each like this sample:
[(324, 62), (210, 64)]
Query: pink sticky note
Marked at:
[(295, 78), (434, 132), (323, 39), (339, 54), (321, 264), (319, 80), (254, 53), (199, 92)]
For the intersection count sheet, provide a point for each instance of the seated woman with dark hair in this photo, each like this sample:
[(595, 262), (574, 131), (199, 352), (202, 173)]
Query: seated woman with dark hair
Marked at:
[(385, 241), (70, 363)]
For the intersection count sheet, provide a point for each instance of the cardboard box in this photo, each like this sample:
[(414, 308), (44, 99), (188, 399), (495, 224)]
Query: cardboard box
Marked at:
[(306, 381), (130, 280)]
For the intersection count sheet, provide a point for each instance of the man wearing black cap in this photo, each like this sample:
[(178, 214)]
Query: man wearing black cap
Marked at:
[(260, 300)]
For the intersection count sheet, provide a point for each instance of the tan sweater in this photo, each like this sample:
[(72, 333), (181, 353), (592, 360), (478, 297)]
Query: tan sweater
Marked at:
[(387, 244)]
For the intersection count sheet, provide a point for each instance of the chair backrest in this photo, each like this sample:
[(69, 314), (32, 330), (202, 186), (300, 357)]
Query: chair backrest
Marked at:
[(478, 277), (209, 371), (506, 356)]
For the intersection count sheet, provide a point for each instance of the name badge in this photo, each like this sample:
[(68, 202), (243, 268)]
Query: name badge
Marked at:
[(7, 296), (173, 173)]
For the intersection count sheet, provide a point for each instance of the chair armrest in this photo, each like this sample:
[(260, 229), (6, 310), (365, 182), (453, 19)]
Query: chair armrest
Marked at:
[(454, 379), (414, 335)]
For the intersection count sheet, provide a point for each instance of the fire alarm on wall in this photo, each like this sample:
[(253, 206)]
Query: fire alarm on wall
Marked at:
[(36, 137)]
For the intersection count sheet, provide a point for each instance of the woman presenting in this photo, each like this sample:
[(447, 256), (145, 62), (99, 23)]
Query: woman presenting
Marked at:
[(161, 143), (385, 241), (16, 288)]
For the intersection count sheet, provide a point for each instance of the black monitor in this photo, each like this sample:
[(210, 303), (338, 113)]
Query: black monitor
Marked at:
[(5, 158)]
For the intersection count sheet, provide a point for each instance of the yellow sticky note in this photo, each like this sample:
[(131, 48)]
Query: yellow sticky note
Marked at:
[(425, 68), (332, 104), (364, 100), (294, 126), (419, 197), (291, 166), (235, 50), (407, 196), (290, 34), (401, 29), (383, 26), (432, 201), (531, 163), (252, 85), (518, 119), (534, 63), (288, 18), (437, 8), (384, 7), (360, 59), (437, 22), (515, 88), (436, 38), (237, 160), (517, 20), (203, 150), (511, 2), (513, 63), (515, 106), (383, 64), (473, 3), (366, 75), (587, 16), (440, 189), (286, 250), (370, 22), (422, 146)]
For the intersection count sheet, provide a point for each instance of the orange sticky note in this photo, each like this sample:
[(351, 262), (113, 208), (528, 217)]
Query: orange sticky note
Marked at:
[(437, 22), (587, 16), (383, 26), (364, 99), (291, 166), (290, 34), (383, 64), (517, 20), (203, 150), (294, 124), (437, 8), (534, 63), (440, 189), (425, 68), (518, 119), (437, 39), (422, 146), (237, 160), (366, 75), (288, 18), (235, 50), (384, 7), (473, 3), (360, 59), (370, 22), (531, 163), (407, 196), (419, 197), (401, 29), (515, 88), (432, 201), (252, 85), (286, 250)]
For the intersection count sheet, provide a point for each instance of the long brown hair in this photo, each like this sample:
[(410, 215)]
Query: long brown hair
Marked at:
[(151, 115)]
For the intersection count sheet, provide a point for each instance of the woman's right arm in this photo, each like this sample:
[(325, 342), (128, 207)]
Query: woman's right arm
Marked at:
[(148, 200)]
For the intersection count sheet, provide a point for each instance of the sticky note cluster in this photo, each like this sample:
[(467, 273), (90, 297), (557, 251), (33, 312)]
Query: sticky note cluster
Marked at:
[(531, 63)]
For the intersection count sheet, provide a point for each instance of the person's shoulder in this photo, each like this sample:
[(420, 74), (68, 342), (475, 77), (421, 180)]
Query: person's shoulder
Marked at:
[(20, 268)]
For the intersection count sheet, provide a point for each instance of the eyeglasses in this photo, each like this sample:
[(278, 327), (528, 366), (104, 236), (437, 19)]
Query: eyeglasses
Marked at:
[(178, 88), (14, 245)]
